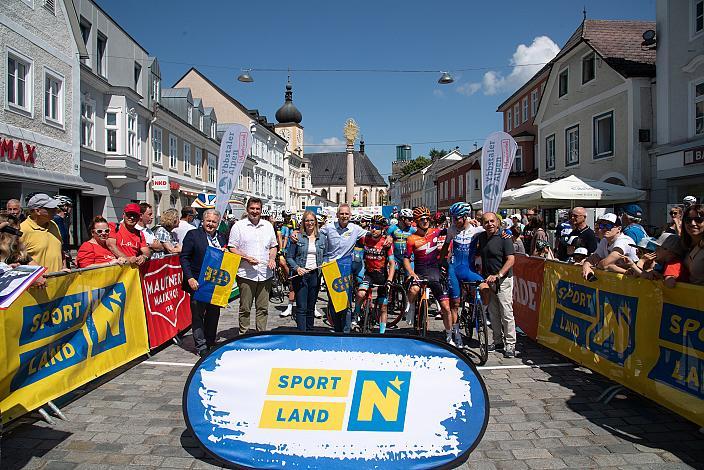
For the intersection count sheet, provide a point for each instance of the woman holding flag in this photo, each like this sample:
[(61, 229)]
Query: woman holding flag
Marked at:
[(304, 256)]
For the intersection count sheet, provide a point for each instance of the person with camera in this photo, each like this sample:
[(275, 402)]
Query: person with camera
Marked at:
[(13, 253)]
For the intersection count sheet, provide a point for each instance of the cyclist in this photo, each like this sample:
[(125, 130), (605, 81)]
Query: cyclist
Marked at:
[(423, 247), (400, 233), (379, 267), (461, 242)]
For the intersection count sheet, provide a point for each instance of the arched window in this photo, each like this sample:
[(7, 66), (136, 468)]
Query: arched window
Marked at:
[(365, 198), (324, 193)]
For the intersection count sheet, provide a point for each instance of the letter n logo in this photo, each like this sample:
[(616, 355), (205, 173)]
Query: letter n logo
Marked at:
[(106, 322), (379, 401)]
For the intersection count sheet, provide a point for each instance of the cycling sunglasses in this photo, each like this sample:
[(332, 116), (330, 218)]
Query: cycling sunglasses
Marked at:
[(605, 226), (377, 227), (697, 219), (424, 218)]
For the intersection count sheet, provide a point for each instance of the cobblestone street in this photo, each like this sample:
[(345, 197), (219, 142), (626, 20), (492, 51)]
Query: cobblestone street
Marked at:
[(544, 415)]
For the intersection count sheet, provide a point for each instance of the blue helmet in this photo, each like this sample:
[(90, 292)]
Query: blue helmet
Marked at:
[(460, 209)]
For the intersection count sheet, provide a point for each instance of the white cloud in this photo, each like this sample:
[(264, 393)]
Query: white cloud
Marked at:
[(526, 61), (328, 144), (438, 93), (469, 88)]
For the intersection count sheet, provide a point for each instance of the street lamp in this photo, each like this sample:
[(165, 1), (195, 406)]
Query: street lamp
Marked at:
[(351, 130), (445, 79), (245, 77)]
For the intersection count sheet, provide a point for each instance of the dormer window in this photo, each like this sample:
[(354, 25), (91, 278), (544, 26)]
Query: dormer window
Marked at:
[(190, 114)]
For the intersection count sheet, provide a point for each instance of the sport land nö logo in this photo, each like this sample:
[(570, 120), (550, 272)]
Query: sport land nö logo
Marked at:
[(378, 401)]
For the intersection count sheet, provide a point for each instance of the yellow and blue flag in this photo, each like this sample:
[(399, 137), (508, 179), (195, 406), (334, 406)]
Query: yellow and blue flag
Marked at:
[(338, 278), (217, 276)]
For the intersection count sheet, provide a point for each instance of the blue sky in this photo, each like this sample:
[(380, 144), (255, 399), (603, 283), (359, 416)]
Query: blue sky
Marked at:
[(222, 37)]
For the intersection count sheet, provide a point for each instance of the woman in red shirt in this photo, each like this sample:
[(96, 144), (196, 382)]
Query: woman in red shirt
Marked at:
[(95, 252)]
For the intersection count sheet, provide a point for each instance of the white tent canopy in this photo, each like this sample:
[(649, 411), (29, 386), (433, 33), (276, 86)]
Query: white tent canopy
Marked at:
[(584, 192), (508, 196)]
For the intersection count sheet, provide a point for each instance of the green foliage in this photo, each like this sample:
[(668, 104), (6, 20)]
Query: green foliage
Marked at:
[(417, 164), (435, 153)]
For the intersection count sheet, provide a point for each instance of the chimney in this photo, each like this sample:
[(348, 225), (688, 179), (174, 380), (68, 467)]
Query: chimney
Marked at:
[(361, 146)]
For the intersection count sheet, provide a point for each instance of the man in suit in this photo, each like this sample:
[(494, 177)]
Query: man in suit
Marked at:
[(195, 244)]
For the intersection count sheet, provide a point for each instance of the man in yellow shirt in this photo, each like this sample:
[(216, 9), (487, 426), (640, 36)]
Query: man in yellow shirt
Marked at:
[(41, 235)]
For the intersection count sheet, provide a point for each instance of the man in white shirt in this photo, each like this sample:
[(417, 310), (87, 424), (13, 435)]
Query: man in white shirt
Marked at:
[(146, 218), (185, 225), (612, 247), (255, 240)]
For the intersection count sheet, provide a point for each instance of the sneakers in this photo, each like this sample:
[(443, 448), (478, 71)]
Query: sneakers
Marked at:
[(496, 347), (510, 351), (457, 335), (287, 312), (354, 326), (448, 340), (317, 314)]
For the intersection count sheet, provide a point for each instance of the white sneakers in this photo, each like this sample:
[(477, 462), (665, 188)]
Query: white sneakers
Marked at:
[(458, 338), (318, 314), (287, 312)]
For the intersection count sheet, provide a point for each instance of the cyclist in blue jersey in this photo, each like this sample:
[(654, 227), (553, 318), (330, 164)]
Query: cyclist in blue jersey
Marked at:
[(400, 233), (461, 243)]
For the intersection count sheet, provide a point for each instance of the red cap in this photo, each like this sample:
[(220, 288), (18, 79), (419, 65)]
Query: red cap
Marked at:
[(132, 208)]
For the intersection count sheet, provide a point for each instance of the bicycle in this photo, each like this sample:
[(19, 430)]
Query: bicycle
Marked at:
[(421, 323), (370, 311), (398, 301), (472, 316), (278, 285)]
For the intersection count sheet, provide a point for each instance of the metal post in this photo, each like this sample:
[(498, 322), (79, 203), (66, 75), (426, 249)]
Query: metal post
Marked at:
[(55, 409), (350, 173), (46, 416)]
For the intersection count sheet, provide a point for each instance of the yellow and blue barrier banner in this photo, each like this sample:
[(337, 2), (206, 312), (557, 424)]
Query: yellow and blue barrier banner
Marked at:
[(217, 276), (81, 326), (631, 330), (338, 279), (301, 400)]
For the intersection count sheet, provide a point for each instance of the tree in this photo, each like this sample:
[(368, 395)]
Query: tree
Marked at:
[(417, 164), (435, 153)]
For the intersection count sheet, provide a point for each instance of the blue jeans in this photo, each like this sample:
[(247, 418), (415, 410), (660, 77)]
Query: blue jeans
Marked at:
[(306, 288)]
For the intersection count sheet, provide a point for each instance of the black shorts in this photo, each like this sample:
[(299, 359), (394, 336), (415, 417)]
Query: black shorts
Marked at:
[(436, 284), (375, 277)]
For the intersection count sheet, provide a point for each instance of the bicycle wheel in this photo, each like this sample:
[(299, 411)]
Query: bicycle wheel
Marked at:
[(466, 323), (482, 331), (366, 326), (423, 317), (398, 301), (277, 288)]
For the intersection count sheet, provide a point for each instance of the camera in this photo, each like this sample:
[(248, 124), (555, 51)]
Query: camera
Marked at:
[(11, 230)]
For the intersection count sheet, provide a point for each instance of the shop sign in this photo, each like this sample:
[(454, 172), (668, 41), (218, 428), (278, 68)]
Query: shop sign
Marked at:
[(174, 186), (160, 183), (16, 151), (694, 156)]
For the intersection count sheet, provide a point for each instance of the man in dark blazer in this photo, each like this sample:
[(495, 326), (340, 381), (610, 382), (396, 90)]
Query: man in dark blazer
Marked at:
[(195, 244)]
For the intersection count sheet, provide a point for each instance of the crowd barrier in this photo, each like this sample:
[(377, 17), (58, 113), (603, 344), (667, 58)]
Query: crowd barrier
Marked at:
[(84, 325), (636, 332)]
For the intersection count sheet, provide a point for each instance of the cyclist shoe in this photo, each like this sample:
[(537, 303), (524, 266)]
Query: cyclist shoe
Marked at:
[(287, 312), (457, 335), (496, 347), (510, 351)]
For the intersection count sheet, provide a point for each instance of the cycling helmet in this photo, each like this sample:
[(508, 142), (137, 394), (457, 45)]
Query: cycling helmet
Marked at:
[(63, 200), (285, 213), (421, 211), (380, 220), (407, 213), (266, 213), (356, 218), (460, 209), (320, 219), (366, 218), (393, 221), (689, 200), (278, 219)]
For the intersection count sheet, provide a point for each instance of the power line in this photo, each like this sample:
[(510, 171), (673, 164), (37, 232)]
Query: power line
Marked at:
[(366, 144)]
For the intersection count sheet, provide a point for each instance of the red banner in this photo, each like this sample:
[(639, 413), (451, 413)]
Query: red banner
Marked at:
[(527, 290), (167, 306)]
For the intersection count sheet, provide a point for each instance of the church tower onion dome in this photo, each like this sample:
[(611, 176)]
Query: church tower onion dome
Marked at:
[(288, 113)]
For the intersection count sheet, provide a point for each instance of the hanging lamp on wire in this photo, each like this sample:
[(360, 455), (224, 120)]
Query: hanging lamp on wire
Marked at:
[(445, 78), (245, 77)]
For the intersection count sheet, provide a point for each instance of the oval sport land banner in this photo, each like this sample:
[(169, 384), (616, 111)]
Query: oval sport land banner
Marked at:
[(298, 400)]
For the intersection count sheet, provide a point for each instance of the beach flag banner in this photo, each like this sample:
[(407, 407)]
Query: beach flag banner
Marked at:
[(217, 276), (234, 149), (338, 276), (498, 154)]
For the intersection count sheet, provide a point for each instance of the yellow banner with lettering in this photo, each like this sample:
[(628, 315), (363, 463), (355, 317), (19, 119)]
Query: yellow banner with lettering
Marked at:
[(636, 332), (56, 339)]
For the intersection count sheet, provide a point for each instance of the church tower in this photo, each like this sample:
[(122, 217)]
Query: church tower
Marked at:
[(296, 168)]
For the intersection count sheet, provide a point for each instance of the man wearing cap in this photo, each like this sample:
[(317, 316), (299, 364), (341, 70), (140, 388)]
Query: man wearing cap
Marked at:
[(611, 248), (128, 241), (631, 216), (587, 237), (41, 235)]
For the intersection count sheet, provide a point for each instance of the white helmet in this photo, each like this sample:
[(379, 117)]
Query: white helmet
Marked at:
[(407, 213), (689, 200), (266, 213), (63, 200), (278, 218)]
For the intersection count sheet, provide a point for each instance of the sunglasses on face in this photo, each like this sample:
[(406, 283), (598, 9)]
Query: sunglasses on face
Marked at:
[(697, 219), (424, 219), (377, 227), (674, 213), (102, 231), (311, 221), (459, 217), (132, 215), (605, 226)]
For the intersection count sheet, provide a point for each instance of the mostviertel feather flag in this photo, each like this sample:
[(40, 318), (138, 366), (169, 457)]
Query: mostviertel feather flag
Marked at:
[(217, 276), (338, 278), (498, 153), (236, 145)]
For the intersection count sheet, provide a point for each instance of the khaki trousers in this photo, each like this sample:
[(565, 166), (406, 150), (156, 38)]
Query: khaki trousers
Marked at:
[(257, 291), (503, 326)]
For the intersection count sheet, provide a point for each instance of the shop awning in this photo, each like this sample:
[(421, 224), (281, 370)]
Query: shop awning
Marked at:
[(15, 172)]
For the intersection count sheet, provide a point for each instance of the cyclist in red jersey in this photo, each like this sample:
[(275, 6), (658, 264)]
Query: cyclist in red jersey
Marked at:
[(423, 247), (376, 259)]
